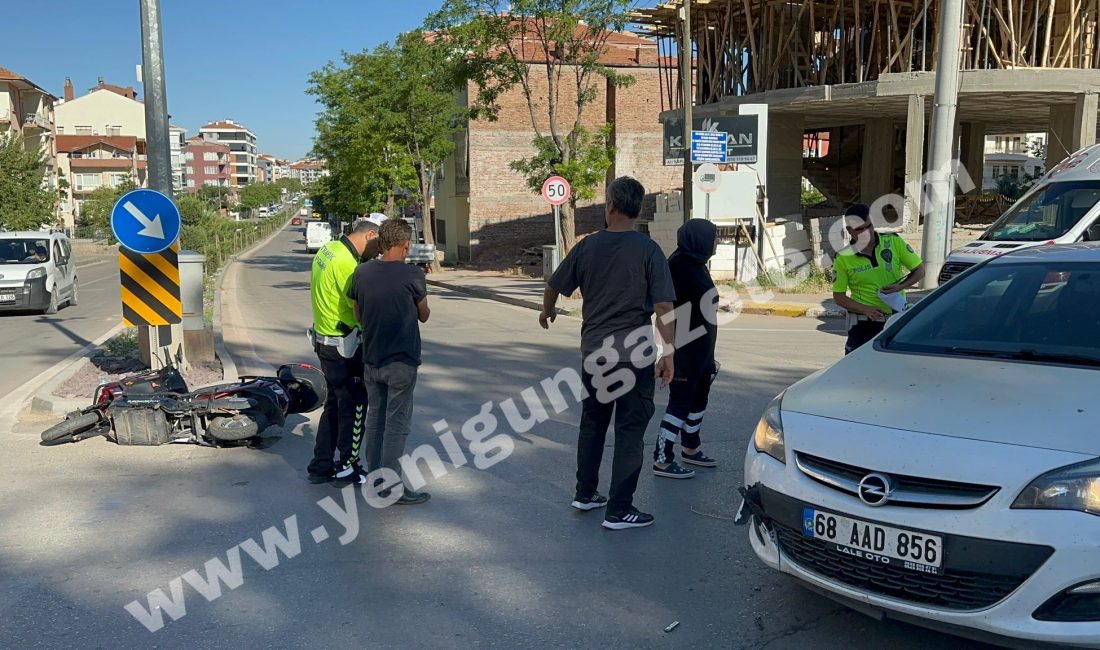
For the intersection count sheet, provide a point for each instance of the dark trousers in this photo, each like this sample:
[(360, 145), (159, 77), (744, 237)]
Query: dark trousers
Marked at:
[(341, 426), (632, 412), (862, 332), (687, 404)]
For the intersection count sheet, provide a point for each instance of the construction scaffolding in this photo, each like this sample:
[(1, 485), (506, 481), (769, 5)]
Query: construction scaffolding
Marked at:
[(744, 47)]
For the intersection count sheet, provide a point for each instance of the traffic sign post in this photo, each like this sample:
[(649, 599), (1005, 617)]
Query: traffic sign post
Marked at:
[(556, 190), (147, 225), (708, 177)]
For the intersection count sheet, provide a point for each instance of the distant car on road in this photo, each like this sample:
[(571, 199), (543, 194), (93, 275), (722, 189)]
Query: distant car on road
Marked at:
[(318, 233), (296, 221), (37, 271), (948, 474), (304, 212)]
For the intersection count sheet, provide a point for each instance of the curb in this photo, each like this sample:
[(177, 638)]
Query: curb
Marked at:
[(229, 364), (489, 294)]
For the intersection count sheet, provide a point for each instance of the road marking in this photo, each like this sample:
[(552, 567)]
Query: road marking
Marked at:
[(319, 534)]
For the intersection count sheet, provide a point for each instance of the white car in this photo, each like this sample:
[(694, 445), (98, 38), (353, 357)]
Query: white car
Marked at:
[(948, 473), (318, 233), (37, 272)]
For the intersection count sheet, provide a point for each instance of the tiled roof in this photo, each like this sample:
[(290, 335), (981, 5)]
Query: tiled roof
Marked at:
[(78, 142), (223, 126), (7, 74)]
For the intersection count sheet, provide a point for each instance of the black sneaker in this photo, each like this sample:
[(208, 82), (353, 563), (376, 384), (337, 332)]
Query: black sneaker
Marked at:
[(632, 518), (354, 475), (673, 471), (597, 500), (317, 479), (698, 458), (409, 498)]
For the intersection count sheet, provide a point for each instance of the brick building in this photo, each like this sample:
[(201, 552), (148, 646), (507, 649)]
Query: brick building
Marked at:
[(481, 205), (207, 163)]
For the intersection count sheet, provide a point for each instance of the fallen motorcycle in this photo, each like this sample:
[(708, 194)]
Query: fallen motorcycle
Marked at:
[(156, 408)]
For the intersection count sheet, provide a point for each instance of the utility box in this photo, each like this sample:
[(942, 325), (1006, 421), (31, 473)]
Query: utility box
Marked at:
[(192, 266), (550, 261)]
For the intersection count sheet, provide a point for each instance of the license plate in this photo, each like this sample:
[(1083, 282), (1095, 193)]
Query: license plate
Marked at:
[(7, 297), (875, 543)]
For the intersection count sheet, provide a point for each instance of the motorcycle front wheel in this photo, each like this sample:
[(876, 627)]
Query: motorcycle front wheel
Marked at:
[(73, 429), (232, 429)]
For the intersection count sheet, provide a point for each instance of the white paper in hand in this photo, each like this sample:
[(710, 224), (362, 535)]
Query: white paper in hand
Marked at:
[(895, 301)]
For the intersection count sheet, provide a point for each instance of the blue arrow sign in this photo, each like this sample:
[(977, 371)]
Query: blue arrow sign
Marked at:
[(145, 221)]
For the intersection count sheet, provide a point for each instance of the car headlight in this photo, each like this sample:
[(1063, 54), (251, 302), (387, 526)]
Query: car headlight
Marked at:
[(1076, 487), (34, 274), (768, 437)]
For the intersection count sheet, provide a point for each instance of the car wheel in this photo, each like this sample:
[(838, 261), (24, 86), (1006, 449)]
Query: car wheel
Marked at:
[(74, 298), (52, 307)]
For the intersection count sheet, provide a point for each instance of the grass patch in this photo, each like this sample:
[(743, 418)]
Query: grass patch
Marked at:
[(123, 344), (815, 280)]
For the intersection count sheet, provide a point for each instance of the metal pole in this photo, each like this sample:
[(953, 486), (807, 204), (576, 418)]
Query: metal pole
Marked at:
[(707, 210), (941, 189), (557, 237), (156, 102), (688, 101)]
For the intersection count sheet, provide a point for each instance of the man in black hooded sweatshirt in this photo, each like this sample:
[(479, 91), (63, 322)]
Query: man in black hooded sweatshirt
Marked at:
[(695, 367)]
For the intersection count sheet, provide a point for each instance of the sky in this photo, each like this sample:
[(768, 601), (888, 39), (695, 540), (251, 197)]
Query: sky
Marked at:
[(247, 60)]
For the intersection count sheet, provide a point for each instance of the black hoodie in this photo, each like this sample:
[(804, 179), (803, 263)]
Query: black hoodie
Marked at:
[(688, 265)]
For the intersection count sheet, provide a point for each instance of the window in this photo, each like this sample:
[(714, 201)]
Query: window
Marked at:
[(114, 130), (116, 178), (84, 130), (61, 130), (190, 182), (440, 232), (1048, 214), (190, 170), (190, 155), (82, 182), (210, 155), (210, 171)]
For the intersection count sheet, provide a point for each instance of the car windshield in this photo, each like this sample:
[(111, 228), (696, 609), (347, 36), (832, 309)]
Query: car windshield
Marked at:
[(1049, 213), (1043, 312), (24, 251)]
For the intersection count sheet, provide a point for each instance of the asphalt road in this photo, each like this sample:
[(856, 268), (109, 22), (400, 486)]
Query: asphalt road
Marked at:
[(31, 343), (496, 558)]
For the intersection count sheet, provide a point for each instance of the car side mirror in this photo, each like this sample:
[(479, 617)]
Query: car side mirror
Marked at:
[(1093, 232)]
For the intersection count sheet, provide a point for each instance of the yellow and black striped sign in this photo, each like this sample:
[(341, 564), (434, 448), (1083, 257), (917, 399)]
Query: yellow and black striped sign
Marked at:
[(150, 287)]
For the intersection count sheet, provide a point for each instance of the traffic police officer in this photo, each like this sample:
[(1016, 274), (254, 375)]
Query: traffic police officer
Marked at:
[(873, 262), (335, 336)]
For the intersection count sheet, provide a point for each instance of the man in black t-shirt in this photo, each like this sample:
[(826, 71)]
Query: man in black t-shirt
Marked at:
[(624, 279), (695, 363), (391, 299)]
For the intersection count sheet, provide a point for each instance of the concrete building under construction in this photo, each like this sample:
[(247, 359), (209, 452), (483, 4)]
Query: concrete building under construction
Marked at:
[(860, 74)]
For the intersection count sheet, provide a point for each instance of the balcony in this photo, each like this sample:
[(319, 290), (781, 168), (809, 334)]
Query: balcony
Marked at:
[(37, 121), (5, 115)]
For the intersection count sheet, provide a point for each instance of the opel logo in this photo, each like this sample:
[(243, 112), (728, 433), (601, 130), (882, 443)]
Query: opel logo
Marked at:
[(875, 489)]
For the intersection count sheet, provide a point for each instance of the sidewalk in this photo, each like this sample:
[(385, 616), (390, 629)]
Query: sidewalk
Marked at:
[(527, 292)]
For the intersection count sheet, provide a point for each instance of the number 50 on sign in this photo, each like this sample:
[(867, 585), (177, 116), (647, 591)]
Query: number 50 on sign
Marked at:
[(556, 190)]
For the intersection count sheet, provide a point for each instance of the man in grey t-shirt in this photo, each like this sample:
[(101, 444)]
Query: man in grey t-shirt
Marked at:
[(624, 278)]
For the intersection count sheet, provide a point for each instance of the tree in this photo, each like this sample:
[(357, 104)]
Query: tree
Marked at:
[(387, 123), (257, 195), (194, 210), (215, 196), (555, 45), (291, 185), (96, 210), (25, 204)]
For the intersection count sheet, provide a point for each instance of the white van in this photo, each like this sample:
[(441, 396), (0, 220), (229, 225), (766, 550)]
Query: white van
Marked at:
[(37, 271), (1062, 208), (318, 233)]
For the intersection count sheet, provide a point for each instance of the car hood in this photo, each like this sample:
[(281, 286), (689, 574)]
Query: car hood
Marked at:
[(981, 250), (1030, 404), (17, 273)]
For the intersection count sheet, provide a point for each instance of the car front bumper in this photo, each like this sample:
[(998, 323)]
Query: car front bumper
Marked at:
[(1051, 551), (28, 297)]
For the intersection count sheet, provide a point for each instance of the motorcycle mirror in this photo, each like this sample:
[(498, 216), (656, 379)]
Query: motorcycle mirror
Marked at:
[(179, 355)]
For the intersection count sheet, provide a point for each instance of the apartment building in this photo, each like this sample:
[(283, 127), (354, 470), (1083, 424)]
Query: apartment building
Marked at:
[(93, 161), (1016, 155), (242, 149), (265, 168), (308, 171), (27, 111), (177, 142), (206, 163)]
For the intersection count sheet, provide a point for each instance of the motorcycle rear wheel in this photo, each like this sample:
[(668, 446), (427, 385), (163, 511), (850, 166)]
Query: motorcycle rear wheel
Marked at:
[(232, 428), (73, 429)]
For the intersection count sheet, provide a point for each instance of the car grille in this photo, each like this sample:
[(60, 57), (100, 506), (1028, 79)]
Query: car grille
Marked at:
[(951, 269), (956, 590), (911, 491)]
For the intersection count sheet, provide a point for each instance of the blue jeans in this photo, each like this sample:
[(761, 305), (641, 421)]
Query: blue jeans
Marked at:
[(389, 414)]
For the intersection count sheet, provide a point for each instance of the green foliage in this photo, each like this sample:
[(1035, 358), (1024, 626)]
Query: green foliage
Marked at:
[(124, 345), (386, 126), (257, 195), (24, 203), (1013, 188), (811, 196), (95, 213), (214, 196), (291, 185), (193, 210), (494, 45)]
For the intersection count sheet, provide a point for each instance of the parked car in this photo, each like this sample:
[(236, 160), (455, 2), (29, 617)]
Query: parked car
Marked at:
[(318, 233), (37, 271), (1062, 208), (948, 473), (296, 221)]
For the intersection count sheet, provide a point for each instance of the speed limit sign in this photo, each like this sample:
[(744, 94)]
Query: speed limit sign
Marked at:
[(556, 190)]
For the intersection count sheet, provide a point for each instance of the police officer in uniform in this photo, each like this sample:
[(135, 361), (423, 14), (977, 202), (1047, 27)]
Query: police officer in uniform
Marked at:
[(873, 262), (336, 340)]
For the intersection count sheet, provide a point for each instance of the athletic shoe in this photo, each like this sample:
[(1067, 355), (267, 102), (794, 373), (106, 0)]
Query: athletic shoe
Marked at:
[(597, 500), (408, 498), (633, 518), (698, 458), (673, 471), (354, 475)]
